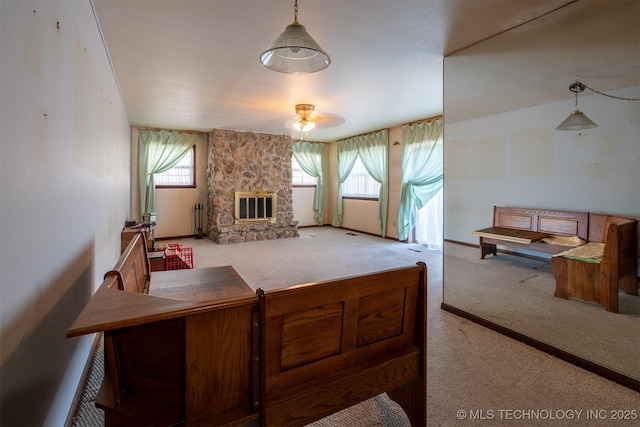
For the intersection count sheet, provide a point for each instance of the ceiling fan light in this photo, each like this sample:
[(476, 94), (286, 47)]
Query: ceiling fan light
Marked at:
[(577, 120), (303, 124)]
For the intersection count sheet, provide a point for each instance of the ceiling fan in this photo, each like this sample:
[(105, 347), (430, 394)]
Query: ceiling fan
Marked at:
[(307, 118)]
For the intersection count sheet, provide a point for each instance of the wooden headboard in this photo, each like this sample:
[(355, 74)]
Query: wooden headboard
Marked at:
[(326, 346)]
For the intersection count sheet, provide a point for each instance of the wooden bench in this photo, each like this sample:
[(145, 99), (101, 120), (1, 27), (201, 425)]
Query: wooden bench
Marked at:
[(597, 279), (198, 347), (613, 266), (527, 228), (133, 268), (329, 345)]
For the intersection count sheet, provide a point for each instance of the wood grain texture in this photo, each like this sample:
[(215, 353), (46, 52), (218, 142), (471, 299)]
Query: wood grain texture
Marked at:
[(328, 345), (618, 269)]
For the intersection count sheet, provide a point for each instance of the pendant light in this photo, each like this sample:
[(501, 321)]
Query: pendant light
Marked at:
[(577, 120), (295, 51)]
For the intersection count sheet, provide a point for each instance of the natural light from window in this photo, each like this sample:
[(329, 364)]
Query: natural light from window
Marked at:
[(359, 183), (181, 175), (300, 177)]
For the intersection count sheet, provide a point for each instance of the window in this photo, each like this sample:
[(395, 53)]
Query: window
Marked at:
[(299, 177), (183, 174), (360, 184)]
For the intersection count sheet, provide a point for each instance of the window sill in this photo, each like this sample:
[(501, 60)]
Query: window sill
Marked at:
[(374, 199)]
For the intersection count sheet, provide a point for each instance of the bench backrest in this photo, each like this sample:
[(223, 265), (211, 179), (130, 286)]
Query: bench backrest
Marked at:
[(133, 269), (329, 345), (561, 223)]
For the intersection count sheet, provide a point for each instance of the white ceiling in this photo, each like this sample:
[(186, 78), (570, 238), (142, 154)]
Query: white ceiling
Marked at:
[(193, 65)]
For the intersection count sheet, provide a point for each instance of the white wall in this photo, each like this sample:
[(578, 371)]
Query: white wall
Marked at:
[(64, 167), (517, 158), (303, 199)]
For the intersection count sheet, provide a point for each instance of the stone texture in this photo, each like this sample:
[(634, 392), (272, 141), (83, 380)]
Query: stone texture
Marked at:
[(248, 161)]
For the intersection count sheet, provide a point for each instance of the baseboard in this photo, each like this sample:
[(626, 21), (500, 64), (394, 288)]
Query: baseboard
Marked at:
[(610, 374)]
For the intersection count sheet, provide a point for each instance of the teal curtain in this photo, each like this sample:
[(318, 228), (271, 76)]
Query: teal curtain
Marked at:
[(311, 158), (159, 151), (422, 170), (347, 154), (373, 149)]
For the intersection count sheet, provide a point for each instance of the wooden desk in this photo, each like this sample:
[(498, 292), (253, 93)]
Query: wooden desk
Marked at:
[(167, 354)]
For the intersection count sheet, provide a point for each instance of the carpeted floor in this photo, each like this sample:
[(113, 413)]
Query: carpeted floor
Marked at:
[(475, 376), (517, 292)]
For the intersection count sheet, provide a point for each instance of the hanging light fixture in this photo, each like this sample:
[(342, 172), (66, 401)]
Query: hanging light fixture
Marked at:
[(577, 120), (303, 112), (295, 51)]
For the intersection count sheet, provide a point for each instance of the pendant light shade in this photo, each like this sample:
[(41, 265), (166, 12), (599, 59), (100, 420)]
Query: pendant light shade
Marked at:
[(295, 51), (576, 121)]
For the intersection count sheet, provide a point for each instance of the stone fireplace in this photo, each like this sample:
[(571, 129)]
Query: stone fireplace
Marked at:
[(249, 174)]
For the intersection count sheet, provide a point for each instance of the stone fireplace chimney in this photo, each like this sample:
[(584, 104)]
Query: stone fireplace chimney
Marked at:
[(249, 162)]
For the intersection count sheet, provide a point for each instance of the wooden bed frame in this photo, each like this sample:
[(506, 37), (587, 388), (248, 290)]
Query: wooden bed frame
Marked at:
[(329, 345), (198, 347)]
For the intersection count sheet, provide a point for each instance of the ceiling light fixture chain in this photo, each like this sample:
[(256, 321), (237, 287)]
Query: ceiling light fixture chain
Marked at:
[(577, 120), (601, 93)]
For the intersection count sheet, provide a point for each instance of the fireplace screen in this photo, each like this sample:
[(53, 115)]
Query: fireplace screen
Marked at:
[(255, 206)]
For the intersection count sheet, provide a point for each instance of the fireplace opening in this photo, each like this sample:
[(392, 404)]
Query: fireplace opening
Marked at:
[(255, 206)]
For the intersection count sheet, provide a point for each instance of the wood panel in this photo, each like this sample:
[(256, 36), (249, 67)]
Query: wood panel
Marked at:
[(219, 364), (618, 268), (329, 345)]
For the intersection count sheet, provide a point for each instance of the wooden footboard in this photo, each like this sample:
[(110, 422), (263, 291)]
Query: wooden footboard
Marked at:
[(326, 346)]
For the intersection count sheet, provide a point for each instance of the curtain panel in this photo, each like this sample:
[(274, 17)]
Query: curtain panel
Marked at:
[(422, 171), (373, 149), (159, 151), (311, 158)]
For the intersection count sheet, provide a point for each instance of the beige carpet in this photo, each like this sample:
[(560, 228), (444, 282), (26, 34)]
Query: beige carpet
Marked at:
[(517, 292), (475, 376)]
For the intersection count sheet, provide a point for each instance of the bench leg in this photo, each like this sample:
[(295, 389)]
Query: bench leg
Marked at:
[(559, 270), (487, 249)]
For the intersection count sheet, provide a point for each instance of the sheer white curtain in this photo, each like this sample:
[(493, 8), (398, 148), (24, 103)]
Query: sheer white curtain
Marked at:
[(422, 171), (429, 223), (310, 156), (159, 151)]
